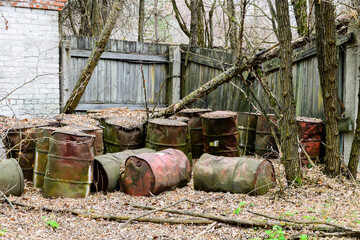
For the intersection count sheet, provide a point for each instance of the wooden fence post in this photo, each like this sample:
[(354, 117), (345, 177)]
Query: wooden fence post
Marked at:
[(65, 71), (174, 74)]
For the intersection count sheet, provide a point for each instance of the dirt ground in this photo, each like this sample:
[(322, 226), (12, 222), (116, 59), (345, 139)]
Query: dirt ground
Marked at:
[(330, 200)]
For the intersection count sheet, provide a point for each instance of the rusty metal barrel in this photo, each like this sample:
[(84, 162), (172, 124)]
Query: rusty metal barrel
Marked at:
[(121, 134), (247, 175), (107, 169), (43, 135), (11, 177), (164, 133), (220, 131), (69, 171), (195, 125), (265, 145), (310, 131), (152, 173), (20, 144), (247, 132)]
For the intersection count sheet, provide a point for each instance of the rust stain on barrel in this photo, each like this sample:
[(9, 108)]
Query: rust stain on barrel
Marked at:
[(152, 173), (247, 132), (220, 131)]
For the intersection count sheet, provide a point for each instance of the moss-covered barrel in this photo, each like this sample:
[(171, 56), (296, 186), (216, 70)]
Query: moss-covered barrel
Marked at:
[(152, 173), (20, 144), (265, 145), (107, 169), (220, 131), (310, 131), (121, 134), (247, 175), (11, 177), (164, 133), (69, 171), (43, 135), (247, 132), (195, 125)]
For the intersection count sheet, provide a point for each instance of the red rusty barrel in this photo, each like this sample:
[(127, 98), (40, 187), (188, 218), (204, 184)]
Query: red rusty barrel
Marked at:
[(220, 131), (164, 133), (107, 169), (195, 125), (43, 135), (69, 171), (121, 134), (265, 145), (20, 144), (247, 132), (152, 173), (247, 175), (310, 131)]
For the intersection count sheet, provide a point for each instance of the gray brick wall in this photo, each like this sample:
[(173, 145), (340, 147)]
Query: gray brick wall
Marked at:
[(29, 62)]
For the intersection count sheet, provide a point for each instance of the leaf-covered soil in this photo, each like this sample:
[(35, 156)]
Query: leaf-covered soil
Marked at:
[(323, 199)]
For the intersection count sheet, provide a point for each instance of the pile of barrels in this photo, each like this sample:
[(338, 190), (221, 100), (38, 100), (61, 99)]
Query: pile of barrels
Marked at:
[(66, 158)]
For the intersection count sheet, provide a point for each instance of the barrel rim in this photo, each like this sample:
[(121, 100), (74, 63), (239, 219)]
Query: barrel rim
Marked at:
[(167, 122), (111, 120), (71, 132), (219, 115)]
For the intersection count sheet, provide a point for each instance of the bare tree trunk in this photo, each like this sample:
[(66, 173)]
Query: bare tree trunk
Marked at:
[(288, 125), (233, 30), (211, 25), (88, 70), (96, 18), (141, 20), (300, 11), (200, 24), (327, 65), (156, 17), (194, 23)]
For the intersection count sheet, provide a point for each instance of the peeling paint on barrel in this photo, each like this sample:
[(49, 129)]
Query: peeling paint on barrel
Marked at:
[(247, 132), (265, 145), (70, 165), (152, 173)]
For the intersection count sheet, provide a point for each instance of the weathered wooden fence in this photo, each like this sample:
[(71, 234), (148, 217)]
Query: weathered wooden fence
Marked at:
[(118, 80)]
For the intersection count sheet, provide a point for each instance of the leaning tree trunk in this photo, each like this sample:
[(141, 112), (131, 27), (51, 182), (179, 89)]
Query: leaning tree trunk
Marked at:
[(300, 11), (89, 68), (327, 65), (141, 20), (288, 126)]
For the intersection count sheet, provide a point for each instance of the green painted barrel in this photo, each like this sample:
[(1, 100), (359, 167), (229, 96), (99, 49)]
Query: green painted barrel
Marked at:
[(164, 133), (247, 132), (11, 177), (247, 175), (107, 169), (43, 135), (122, 134), (69, 171)]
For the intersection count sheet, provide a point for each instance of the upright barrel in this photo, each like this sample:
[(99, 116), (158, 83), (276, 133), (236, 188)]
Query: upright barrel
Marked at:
[(195, 125), (43, 135), (121, 134), (152, 173), (20, 144), (310, 131), (11, 177), (247, 175), (220, 131), (247, 132), (107, 169), (265, 144), (69, 171)]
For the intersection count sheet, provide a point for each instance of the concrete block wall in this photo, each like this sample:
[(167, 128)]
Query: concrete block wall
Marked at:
[(29, 62)]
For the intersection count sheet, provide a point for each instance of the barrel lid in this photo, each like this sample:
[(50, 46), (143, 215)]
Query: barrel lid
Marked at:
[(83, 128), (219, 115), (124, 122), (74, 132), (181, 119), (308, 119), (195, 110), (167, 122)]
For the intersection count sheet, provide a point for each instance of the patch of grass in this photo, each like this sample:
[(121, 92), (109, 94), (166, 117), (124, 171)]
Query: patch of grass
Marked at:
[(2, 232), (276, 233), (51, 223), (309, 217), (240, 208)]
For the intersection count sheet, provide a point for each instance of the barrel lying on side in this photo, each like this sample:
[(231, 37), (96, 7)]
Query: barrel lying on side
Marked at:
[(107, 169), (43, 135), (69, 171), (247, 175), (265, 144), (247, 132), (121, 134), (152, 173), (11, 177), (195, 125), (220, 131)]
